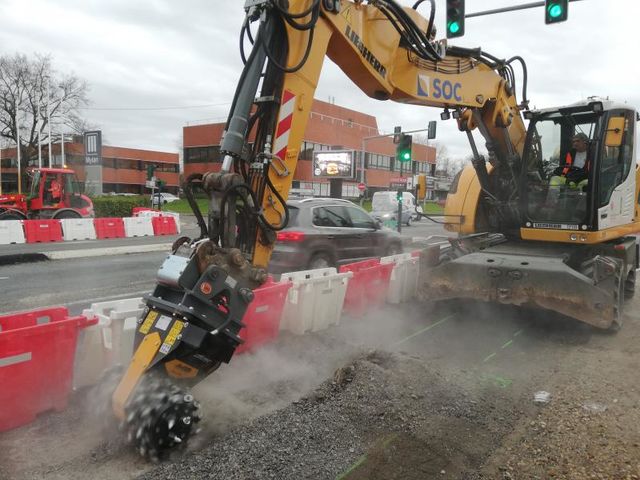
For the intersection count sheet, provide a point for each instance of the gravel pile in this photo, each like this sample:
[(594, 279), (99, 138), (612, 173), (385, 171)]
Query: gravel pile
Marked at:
[(377, 408)]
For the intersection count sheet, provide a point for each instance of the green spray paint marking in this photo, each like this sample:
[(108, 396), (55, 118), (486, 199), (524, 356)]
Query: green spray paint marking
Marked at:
[(499, 381), (424, 330), (489, 357), (505, 345), (387, 440), (517, 333)]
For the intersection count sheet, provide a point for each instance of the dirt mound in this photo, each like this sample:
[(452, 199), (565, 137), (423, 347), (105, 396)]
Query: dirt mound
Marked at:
[(375, 412)]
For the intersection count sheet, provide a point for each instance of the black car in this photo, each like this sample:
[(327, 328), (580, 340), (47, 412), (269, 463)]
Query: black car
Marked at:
[(328, 232)]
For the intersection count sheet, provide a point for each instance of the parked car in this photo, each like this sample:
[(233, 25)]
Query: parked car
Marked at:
[(327, 232), (163, 198), (384, 207)]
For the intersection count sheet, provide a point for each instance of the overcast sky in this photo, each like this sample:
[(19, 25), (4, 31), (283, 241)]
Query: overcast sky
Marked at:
[(153, 66)]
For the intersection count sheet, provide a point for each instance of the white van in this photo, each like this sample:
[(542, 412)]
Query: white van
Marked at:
[(384, 207)]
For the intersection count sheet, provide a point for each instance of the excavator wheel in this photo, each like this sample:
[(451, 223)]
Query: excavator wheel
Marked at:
[(630, 285), (618, 299), (160, 417)]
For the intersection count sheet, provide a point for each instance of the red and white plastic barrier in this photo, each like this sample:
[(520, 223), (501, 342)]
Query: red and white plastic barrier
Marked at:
[(42, 231), (262, 318), (78, 229), (110, 341), (11, 231), (368, 287), (36, 362), (138, 227), (403, 282), (315, 299), (146, 223)]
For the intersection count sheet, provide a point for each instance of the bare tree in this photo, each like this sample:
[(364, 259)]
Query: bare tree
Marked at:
[(28, 86)]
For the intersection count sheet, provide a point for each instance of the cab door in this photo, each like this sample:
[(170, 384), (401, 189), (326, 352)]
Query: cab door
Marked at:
[(616, 173)]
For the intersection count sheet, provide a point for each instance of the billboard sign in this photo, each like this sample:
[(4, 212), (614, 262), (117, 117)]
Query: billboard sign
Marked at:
[(93, 148), (334, 164), (93, 162)]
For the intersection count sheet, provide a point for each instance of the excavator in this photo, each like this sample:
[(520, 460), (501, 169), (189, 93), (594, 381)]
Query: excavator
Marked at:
[(527, 233)]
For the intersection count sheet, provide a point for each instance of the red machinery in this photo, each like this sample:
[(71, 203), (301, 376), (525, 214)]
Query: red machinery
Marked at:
[(54, 193)]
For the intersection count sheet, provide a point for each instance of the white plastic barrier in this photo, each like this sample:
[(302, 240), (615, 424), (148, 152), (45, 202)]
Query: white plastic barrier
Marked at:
[(140, 226), (315, 299), (404, 277), (155, 213), (108, 343), (78, 229), (11, 231)]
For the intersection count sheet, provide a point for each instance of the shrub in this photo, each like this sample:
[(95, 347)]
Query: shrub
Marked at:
[(116, 206)]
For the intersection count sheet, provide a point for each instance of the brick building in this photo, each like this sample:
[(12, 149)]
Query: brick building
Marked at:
[(330, 127), (124, 170)]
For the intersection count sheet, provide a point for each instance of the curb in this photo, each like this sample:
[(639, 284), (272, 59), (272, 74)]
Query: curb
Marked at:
[(19, 258)]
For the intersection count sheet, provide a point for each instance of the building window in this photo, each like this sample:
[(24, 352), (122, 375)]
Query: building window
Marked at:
[(202, 154), (109, 162), (378, 161)]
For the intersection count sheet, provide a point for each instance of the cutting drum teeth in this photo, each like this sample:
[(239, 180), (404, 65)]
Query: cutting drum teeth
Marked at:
[(160, 418)]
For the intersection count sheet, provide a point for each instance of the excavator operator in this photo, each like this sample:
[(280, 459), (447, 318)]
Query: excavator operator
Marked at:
[(575, 170)]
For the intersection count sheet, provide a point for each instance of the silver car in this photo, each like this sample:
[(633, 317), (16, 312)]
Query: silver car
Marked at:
[(327, 232)]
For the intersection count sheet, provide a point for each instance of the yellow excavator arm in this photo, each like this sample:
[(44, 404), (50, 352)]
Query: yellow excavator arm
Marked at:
[(376, 53)]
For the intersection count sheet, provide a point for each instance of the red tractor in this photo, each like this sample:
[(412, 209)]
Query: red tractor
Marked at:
[(54, 193)]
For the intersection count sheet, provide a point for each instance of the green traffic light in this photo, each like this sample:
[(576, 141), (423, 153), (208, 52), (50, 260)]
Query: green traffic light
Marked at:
[(454, 27), (555, 11), (406, 156)]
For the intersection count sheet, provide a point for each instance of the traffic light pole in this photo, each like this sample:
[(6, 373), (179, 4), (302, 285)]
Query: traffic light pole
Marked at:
[(510, 9)]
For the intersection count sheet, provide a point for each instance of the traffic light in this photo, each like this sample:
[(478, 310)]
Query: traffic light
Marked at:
[(151, 168), (403, 149), (455, 18), (397, 131), (399, 196), (556, 11), (431, 133)]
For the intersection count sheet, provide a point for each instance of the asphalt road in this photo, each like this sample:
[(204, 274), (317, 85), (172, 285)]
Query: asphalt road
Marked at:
[(76, 283)]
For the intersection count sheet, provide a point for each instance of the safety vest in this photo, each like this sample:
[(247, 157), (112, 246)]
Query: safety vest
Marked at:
[(568, 161)]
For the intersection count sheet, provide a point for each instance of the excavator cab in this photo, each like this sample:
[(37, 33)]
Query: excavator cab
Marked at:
[(576, 168)]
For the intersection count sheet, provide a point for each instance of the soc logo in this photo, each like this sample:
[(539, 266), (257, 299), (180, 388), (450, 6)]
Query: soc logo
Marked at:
[(446, 89)]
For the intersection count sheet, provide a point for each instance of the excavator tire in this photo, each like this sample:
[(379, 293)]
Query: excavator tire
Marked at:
[(618, 305), (630, 285)]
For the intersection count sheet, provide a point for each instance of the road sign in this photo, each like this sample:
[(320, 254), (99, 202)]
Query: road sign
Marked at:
[(150, 184), (398, 183), (362, 187)]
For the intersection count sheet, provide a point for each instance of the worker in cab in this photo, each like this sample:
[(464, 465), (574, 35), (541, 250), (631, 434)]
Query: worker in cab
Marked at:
[(54, 191), (575, 171), (569, 181)]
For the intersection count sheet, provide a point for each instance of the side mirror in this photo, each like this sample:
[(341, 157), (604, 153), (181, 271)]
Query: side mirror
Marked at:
[(378, 224), (615, 128)]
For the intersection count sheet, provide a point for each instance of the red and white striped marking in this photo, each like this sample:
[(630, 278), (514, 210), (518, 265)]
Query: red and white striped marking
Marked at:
[(284, 124)]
